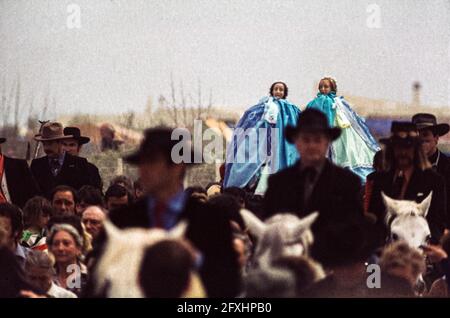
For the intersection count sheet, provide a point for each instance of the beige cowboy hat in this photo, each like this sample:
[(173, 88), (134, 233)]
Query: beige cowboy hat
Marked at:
[(52, 131)]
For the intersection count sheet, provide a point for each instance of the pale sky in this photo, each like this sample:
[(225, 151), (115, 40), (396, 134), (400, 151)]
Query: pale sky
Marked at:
[(125, 51)]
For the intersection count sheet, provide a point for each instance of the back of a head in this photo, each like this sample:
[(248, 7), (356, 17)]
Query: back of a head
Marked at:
[(38, 259), (400, 256), (211, 233), (14, 214), (117, 191), (165, 269), (90, 195), (236, 192), (229, 205)]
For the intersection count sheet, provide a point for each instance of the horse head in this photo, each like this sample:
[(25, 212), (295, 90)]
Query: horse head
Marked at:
[(117, 269), (283, 234), (407, 220)]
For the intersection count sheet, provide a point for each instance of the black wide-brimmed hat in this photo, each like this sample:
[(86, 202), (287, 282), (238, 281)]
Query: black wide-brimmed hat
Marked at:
[(2, 140), (312, 120), (158, 142), (403, 133), (428, 121), (76, 134)]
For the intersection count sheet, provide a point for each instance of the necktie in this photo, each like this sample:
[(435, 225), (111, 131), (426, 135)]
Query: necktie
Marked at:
[(55, 166), (398, 186), (310, 176)]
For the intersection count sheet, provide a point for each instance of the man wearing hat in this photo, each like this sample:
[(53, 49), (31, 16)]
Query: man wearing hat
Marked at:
[(162, 180), (58, 167), (409, 177), (429, 132), (17, 182), (314, 183), (73, 147)]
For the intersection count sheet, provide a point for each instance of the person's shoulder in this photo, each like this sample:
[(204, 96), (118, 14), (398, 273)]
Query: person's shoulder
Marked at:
[(445, 159), (285, 173), (76, 159), (342, 173), (39, 161), (91, 165), (15, 161), (432, 175)]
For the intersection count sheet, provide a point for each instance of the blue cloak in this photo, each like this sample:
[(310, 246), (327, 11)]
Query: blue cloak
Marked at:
[(259, 140)]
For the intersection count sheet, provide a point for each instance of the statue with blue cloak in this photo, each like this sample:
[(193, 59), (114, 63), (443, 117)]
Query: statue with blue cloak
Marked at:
[(258, 145), (356, 147)]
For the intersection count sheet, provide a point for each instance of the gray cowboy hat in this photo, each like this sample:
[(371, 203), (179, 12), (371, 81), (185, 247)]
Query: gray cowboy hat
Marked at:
[(52, 131)]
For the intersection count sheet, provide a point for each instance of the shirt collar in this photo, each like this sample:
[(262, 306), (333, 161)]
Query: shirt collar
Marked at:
[(60, 158), (434, 159), (21, 251), (317, 168)]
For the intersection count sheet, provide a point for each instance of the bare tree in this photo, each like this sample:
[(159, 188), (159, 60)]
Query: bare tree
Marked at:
[(199, 105), (183, 109), (174, 101), (17, 108)]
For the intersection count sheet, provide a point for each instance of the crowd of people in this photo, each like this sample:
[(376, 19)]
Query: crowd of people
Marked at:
[(56, 220)]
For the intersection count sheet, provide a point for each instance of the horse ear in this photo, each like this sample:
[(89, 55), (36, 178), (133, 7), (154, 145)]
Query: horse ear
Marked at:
[(389, 203), (425, 205), (111, 230), (255, 225), (179, 230), (307, 221)]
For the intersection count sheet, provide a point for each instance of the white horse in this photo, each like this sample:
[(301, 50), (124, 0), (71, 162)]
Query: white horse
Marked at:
[(117, 270), (406, 220), (281, 235)]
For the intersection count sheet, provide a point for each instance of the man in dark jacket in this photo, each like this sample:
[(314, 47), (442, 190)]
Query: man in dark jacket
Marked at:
[(73, 147), (430, 131), (409, 177), (58, 167), (17, 182), (162, 179), (314, 183)]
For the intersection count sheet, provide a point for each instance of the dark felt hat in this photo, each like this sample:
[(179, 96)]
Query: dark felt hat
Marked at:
[(312, 120), (428, 121), (76, 134), (158, 143), (403, 133)]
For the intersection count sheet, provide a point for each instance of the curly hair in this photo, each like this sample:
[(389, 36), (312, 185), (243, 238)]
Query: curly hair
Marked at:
[(285, 89), (400, 256)]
